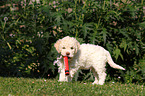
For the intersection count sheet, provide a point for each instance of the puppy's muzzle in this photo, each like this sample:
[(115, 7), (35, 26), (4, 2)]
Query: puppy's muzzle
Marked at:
[(67, 54)]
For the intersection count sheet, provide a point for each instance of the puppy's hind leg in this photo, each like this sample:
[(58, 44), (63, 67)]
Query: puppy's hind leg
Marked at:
[(101, 75), (95, 75)]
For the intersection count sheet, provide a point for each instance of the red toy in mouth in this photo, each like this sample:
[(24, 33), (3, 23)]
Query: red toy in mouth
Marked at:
[(66, 65)]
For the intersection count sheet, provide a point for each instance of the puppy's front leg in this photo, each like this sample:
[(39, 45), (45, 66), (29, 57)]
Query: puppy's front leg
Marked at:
[(68, 78), (63, 77), (73, 71)]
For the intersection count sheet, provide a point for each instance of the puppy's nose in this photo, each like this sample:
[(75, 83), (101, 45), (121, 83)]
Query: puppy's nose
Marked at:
[(67, 53)]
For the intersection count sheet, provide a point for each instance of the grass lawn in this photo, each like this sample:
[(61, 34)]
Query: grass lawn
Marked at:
[(50, 87)]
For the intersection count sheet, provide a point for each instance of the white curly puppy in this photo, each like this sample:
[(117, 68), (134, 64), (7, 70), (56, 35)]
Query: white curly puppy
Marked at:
[(85, 56)]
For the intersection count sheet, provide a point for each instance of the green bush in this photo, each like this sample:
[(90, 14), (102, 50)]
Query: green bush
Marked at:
[(26, 41), (30, 29)]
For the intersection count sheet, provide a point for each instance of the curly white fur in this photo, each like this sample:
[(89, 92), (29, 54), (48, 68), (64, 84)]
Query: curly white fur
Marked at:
[(85, 56)]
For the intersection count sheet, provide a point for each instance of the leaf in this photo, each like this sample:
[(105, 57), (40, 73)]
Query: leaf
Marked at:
[(2, 24), (93, 38), (86, 27), (136, 49), (124, 32), (123, 44), (113, 13), (58, 19), (104, 32), (117, 53), (45, 9), (142, 24)]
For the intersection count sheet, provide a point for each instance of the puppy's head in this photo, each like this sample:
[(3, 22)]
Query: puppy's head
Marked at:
[(67, 46)]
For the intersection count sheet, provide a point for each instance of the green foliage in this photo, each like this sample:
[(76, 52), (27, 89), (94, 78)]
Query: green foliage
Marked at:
[(137, 73), (28, 31), (26, 42)]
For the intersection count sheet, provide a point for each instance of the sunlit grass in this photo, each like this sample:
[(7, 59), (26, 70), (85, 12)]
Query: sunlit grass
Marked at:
[(40, 87)]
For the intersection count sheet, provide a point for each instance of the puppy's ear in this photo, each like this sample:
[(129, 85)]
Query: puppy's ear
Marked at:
[(77, 46), (56, 45)]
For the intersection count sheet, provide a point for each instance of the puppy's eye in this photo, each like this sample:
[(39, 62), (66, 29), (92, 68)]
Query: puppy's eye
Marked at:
[(63, 47), (72, 48)]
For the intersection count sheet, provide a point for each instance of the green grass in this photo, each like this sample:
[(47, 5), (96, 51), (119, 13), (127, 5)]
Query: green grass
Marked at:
[(49, 87)]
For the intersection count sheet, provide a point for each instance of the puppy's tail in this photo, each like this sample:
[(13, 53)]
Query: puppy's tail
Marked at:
[(111, 63)]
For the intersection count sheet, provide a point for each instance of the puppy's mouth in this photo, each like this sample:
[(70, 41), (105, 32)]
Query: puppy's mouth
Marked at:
[(69, 58)]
